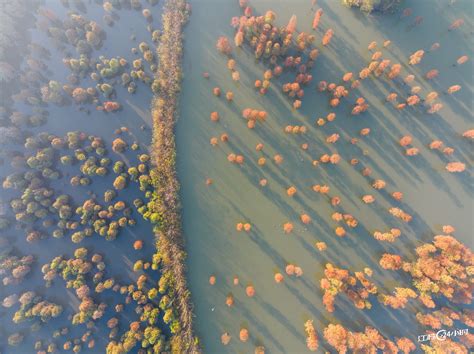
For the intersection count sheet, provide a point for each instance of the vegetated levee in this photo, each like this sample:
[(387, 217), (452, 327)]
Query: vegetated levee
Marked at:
[(165, 202)]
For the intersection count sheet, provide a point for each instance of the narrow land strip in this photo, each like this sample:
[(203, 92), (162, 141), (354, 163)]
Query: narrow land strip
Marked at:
[(165, 201)]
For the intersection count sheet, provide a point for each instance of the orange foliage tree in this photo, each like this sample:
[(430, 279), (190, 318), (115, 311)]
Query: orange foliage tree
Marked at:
[(445, 346), (443, 267), (311, 336), (442, 270), (369, 341), (272, 43), (356, 287), (399, 299), (223, 45)]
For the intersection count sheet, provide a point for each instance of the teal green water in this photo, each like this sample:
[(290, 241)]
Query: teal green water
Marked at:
[(275, 316)]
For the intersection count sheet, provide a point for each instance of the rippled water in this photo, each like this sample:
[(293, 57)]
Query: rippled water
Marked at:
[(275, 316)]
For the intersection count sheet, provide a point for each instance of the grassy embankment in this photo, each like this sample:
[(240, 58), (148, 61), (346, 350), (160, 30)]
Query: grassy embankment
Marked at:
[(165, 202)]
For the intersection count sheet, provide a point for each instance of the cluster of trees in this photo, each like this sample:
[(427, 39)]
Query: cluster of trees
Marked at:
[(312, 341), (77, 31), (369, 341), (37, 202), (443, 282), (441, 271), (95, 217), (101, 219), (77, 272), (253, 115), (373, 5), (280, 47), (356, 287), (150, 310), (33, 306), (84, 35), (12, 42), (445, 317), (13, 269), (399, 299), (449, 345), (442, 268)]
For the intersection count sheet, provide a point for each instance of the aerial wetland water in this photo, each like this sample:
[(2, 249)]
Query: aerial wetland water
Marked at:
[(125, 248), (323, 154), (275, 316)]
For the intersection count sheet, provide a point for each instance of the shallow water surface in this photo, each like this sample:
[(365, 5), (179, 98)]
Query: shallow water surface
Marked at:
[(275, 316), (119, 255)]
